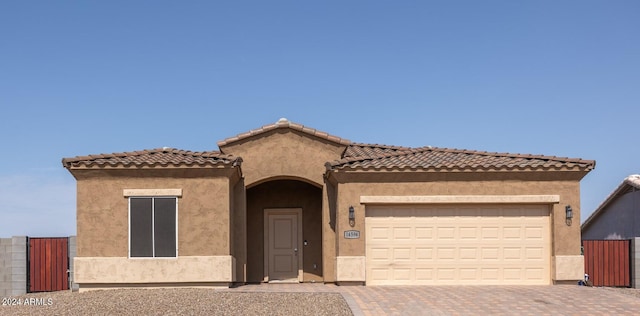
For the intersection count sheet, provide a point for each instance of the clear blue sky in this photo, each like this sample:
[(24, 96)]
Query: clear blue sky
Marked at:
[(86, 77)]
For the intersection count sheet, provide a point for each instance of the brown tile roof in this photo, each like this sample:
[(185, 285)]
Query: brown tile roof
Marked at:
[(372, 150), (430, 158), (284, 123), (159, 157), (356, 156)]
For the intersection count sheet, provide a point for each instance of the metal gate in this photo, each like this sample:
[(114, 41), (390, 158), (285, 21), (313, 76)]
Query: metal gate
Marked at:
[(48, 261), (608, 262)]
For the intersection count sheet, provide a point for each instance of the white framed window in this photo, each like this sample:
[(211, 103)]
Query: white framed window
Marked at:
[(153, 227)]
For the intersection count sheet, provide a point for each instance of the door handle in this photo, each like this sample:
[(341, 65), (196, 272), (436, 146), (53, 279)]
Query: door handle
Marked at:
[(295, 250)]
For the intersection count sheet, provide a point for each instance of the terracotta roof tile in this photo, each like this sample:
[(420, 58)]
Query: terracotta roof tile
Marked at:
[(284, 123), (373, 157), (372, 150), (159, 157)]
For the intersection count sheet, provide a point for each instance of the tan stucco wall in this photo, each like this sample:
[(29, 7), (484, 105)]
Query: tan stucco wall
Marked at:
[(284, 153), (240, 231), (329, 238), (285, 194), (565, 239), (102, 211)]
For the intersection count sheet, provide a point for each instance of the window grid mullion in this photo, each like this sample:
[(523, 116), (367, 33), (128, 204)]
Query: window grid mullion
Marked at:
[(153, 227)]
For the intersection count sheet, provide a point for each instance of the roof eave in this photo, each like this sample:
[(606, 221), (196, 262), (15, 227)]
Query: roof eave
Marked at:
[(149, 167), (330, 167)]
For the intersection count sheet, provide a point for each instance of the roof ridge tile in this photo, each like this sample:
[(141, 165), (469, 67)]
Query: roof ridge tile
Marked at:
[(284, 123)]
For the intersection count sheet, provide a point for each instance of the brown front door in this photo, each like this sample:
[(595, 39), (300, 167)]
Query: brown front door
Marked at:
[(283, 254)]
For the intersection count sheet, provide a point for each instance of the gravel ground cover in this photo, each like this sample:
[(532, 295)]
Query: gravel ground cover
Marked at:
[(175, 302)]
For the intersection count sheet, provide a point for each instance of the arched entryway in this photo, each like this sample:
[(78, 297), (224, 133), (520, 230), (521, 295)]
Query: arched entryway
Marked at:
[(273, 207)]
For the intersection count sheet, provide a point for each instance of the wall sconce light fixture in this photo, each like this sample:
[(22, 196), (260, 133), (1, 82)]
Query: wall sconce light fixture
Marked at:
[(352, 216), (568, 214)]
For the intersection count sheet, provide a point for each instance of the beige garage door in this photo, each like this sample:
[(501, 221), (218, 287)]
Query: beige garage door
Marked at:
[(438, 245)]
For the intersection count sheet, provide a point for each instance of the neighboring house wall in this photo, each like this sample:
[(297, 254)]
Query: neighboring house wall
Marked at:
[(620, 219)]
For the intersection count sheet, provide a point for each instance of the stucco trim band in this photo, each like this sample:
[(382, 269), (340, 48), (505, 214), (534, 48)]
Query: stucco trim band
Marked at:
[(152, 192), (191, 269), (103, 286), (350, 268), (569, 268), (453, 199)]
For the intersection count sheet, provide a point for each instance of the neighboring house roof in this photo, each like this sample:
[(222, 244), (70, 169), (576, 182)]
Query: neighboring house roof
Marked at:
[(432, 158), (159, 157), (284, 123), (631, 182)]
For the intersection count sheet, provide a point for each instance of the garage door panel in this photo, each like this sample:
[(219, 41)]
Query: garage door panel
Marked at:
[(469, 233), (402, 274), (402, 232), (380, 254), (490, 233), (534, 253), (458, 245), (402, 254), (446, 233), (512, 274), (534, 233), (424, 274), (512, 232), (468, 274), (445, 274), (380, 233), (446, 253), (534, 273), (424, 233), (512, 253), (489, 273), (468, 253), (378, 275), (490, 253), (424, 254)]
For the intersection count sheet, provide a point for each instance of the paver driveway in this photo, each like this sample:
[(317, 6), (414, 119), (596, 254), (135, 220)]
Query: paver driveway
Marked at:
[(472, 300)]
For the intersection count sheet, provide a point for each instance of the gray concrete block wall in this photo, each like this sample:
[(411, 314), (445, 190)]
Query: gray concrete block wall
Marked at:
[(635, 262), (18, 265), (13, 269), (5, 267), (72, 254)]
